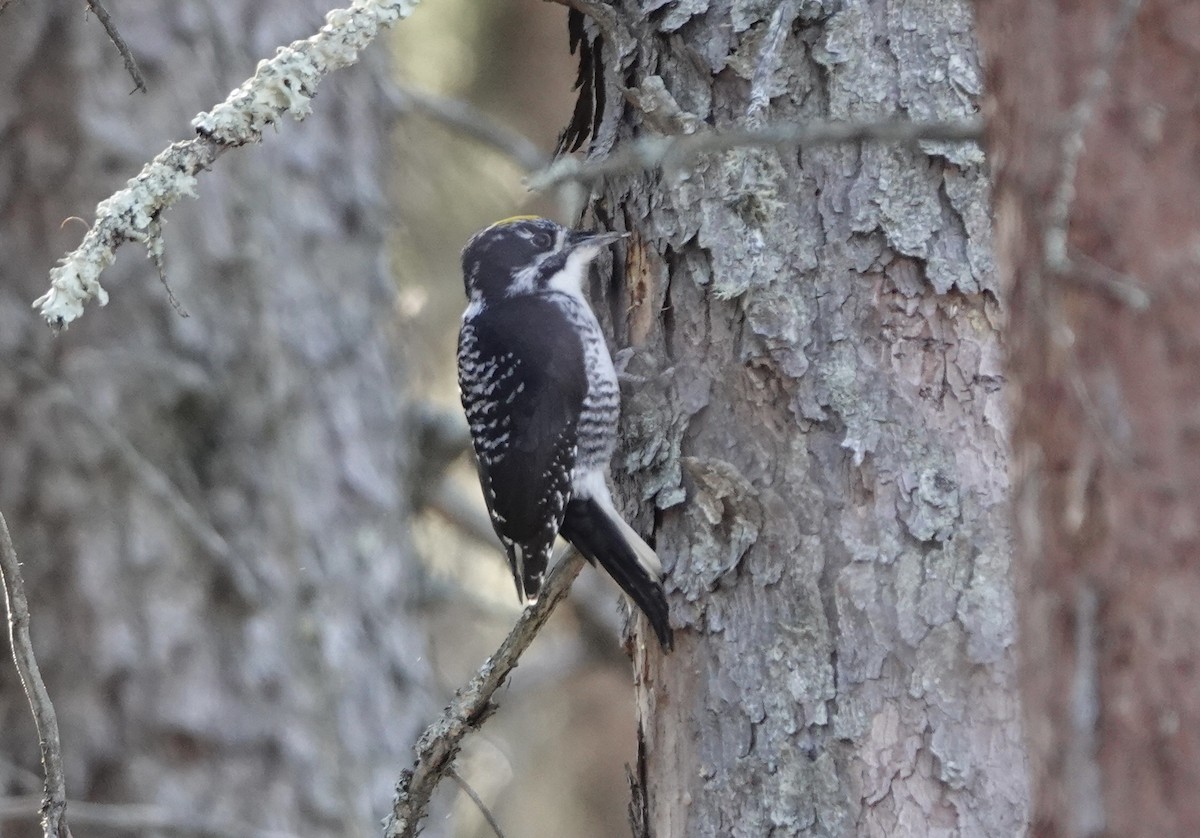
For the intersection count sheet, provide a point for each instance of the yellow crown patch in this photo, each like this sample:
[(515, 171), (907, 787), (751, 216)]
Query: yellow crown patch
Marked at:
[(513, 220)]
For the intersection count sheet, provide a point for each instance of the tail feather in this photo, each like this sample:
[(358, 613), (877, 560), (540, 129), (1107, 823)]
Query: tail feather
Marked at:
[(600, 534), (528, 569)]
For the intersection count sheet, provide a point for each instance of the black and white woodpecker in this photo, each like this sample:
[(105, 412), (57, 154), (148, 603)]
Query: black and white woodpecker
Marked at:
[(541, 397)]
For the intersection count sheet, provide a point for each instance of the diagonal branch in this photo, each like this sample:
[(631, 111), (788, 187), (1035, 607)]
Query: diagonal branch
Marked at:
[(283, 84), (54, 800), (472, 705), (101, 13), (478, 801), (472, 122)]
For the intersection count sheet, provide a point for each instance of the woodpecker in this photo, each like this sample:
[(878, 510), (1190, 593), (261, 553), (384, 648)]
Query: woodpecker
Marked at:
[(541, 397)]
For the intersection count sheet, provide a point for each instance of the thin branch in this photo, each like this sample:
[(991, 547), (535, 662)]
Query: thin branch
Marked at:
[(1059, 211), (127, 818), (473, 122), (158, 257), (477, 800), (654, 152), (101, 13), (472, 706), (283, 84), (1086, 271), (247, 581), (54, 799)]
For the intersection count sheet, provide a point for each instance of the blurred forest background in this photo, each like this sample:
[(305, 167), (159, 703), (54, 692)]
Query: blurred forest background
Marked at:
[(244, 608), (255, 554)]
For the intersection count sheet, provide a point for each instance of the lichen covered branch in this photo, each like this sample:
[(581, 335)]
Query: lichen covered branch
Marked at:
[(283, 84)]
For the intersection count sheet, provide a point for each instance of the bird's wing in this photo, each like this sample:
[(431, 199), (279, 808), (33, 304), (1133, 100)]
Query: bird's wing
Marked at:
[(522, 379)]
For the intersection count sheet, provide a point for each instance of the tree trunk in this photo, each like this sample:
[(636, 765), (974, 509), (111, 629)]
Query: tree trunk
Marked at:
[(1104, 362), (818, 441), (211, 511)]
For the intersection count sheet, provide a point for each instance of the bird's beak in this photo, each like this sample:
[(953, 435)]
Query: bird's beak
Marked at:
[(587, 238)]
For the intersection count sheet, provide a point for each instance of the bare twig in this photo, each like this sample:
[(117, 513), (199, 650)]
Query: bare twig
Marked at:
[(135, 818), (283, 84), (653, 152), (54, 799), (472, 705), (477, 800), (158, 257), (473, 122), (248, 583), (1059, 211), (1084, 270), (102, 15)]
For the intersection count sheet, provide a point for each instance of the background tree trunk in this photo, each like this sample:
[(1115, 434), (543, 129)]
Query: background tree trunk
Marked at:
[(211, 511), (819, 446), (1106, 384)]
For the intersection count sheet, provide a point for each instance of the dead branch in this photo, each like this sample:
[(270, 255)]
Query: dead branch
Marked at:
[(472, 705), (283, 84), (477, 800), (54, 799), (672, 151), (472, 122), (102, 15)]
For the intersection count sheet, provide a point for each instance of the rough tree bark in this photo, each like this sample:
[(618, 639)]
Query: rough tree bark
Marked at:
[(1105, 353), (818, 443), (211, 510)]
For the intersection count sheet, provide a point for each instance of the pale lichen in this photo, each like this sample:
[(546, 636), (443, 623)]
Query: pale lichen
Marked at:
[(283, 84), (287, 82)]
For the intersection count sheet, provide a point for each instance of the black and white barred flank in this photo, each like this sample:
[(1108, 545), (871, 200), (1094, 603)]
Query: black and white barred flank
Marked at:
[(542, 401)]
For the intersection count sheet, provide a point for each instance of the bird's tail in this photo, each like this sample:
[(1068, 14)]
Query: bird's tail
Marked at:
[(599, 533), (528, 569)]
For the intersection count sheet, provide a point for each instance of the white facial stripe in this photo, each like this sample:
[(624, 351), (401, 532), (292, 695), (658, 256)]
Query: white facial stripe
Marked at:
[(570, 279)]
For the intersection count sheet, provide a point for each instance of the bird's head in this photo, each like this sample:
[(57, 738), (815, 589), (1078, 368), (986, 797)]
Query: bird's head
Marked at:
[(529, 255)]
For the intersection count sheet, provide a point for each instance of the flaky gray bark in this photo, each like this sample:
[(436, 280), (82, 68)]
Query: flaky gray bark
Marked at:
[(210, 510), (818, 443)]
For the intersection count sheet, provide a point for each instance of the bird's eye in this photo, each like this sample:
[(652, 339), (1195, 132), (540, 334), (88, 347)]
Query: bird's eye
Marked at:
[(542, 241)]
